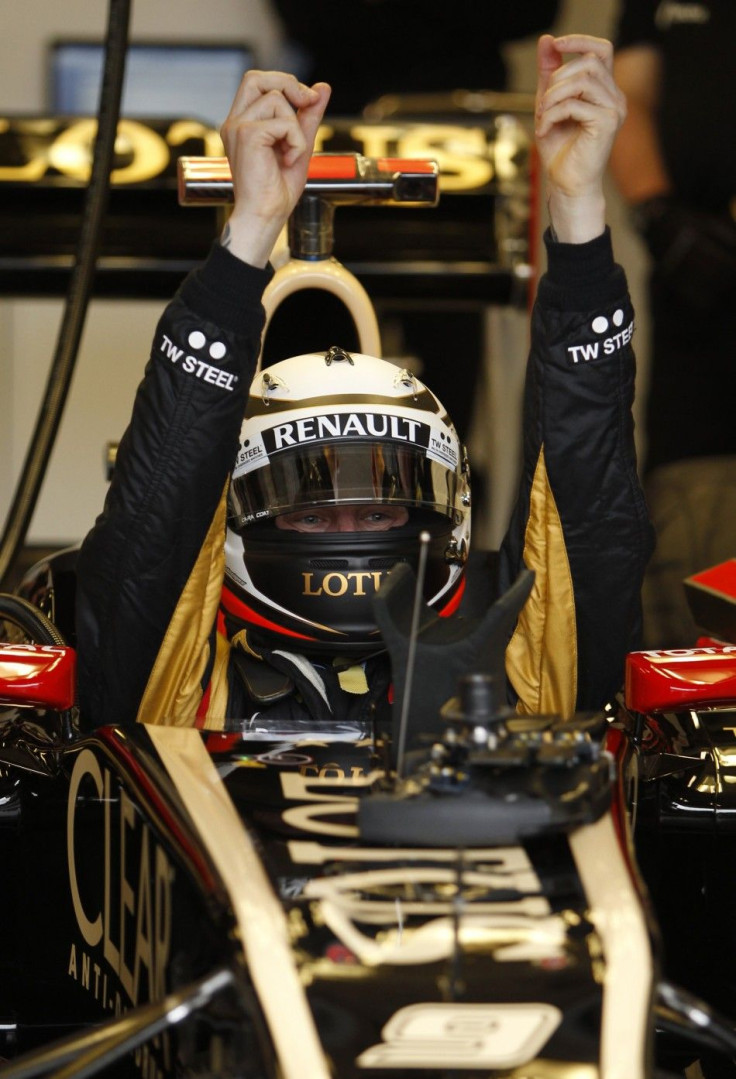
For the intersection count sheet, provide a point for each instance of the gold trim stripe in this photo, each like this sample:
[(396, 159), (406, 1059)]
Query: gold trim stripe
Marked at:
[(542, 656), (616, 912), (174, 690), (262, 927)]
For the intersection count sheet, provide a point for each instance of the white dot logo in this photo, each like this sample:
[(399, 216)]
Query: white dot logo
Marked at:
[(600, 323), (197, 341)]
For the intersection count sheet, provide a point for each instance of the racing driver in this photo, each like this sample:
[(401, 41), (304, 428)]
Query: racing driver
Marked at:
[(230, 574)]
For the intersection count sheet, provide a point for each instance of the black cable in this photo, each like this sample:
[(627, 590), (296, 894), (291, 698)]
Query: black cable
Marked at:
[(78, 293)]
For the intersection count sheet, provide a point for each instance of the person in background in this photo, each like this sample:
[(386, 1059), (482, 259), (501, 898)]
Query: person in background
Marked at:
[(675, 164)]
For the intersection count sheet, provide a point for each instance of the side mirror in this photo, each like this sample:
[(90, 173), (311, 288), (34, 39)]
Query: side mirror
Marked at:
[(38, 675)]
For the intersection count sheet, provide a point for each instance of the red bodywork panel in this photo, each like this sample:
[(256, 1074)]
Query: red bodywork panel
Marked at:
[(44, 676), (680, 678), (347, 166)]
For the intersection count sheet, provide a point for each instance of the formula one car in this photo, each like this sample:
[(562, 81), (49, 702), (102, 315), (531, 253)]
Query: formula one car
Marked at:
[(454, 896)]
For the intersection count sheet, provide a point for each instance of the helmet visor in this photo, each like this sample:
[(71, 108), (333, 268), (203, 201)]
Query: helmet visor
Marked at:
[(337, 473)]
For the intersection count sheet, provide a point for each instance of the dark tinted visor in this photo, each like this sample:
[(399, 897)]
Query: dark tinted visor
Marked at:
[(338, 473)]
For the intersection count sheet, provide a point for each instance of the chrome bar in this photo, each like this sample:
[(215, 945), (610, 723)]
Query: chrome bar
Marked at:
[(338, 178)]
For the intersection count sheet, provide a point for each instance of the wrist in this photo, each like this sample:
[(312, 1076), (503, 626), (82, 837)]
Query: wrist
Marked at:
[(576, 219), (250, 239)]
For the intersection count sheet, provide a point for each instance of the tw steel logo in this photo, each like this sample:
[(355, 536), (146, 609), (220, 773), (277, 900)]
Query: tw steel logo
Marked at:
[(354, 583)]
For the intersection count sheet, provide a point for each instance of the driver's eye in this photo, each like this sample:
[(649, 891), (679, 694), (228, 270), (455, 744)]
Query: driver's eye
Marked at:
[(389, 516)]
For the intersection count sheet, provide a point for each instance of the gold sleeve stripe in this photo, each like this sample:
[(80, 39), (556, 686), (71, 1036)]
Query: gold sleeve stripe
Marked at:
[(217, 706), (541, 659), (174, 690)]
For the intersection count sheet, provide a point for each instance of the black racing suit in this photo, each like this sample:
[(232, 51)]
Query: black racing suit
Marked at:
[(152, 645)]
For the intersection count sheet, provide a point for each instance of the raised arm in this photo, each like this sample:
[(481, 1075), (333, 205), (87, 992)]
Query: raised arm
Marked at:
[(580, 521), (150, 571)]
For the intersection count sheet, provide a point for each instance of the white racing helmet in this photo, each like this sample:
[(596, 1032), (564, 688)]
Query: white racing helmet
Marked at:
[(337, 429)]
